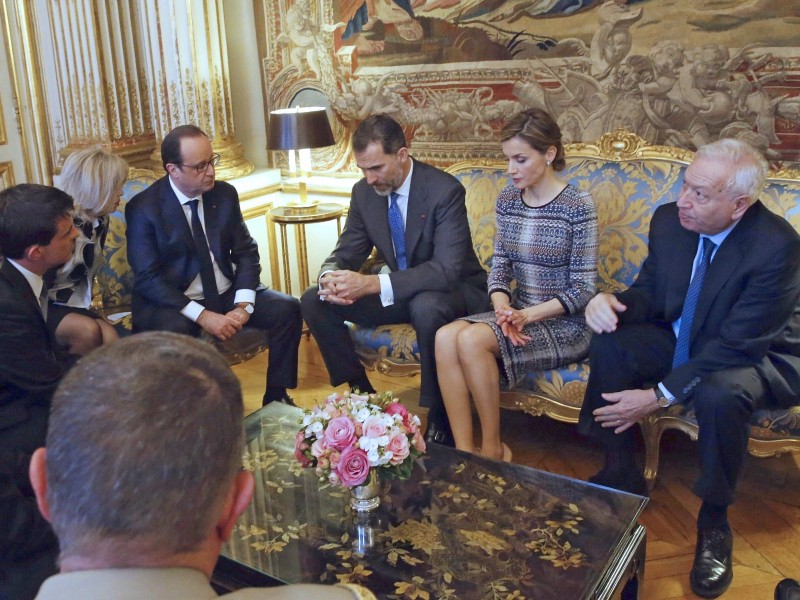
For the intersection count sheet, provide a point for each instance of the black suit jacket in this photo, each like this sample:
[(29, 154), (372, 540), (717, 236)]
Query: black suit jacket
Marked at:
[(161, 250), (29, 371), (747, 314), (438, 242)]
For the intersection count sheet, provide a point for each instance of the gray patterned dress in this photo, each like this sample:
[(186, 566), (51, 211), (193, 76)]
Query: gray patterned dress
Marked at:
[(549, 252)]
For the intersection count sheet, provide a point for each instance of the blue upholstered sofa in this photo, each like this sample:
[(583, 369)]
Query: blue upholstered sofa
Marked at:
[(628, 179)]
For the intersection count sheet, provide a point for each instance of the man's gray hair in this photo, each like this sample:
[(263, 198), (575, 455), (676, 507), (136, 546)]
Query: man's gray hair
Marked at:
[(751, 166), (145, 439)]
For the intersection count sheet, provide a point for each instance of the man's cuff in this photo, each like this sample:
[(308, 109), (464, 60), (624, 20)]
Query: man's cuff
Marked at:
[(248, 296), (667, 394), (192, 311), (387, 293), (321, 275)]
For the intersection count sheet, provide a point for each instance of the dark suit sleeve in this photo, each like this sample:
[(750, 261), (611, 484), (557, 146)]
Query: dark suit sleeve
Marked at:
[(243, 248), (24, 530), (451, 243), (753, 322), (146, 261), (26, 360), (354, 244), (641, 298)]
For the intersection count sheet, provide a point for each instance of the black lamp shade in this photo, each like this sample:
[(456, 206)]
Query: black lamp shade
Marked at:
[(297, 128)]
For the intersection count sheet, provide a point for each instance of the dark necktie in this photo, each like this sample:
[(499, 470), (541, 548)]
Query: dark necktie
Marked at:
[(690, 304), (210, 292), (43, 299), (398, 232)]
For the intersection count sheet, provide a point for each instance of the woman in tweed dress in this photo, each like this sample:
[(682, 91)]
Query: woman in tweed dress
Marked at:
[(94, 178), (542, 276)]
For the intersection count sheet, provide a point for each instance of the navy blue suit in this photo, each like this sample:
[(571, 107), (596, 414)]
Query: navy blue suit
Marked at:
[(162, 254), (744, 343)]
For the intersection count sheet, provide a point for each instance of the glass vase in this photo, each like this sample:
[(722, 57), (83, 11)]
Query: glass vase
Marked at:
[(367, 496)]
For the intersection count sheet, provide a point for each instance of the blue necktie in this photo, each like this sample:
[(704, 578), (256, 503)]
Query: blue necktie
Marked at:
[(398, 232), (207, 278), (690, 304)]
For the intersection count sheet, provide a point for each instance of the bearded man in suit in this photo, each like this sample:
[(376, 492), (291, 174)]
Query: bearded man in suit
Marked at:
[(712, 321), (415, 216), (196, 267)]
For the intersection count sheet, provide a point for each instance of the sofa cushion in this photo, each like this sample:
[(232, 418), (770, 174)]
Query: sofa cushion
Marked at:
[(114, 278)]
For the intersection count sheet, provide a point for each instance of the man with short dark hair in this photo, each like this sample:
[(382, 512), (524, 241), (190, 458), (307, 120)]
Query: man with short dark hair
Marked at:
[(36, 234), (711, 321), (196, 267), (141, 476), (415, 216)]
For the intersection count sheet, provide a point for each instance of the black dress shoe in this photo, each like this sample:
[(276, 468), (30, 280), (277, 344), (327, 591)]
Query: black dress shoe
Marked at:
[(285, 399), (712, 570), (630, 480), (788, 589), (438, 434)]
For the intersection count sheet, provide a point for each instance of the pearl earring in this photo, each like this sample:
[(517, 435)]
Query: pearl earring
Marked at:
[(548, 163)]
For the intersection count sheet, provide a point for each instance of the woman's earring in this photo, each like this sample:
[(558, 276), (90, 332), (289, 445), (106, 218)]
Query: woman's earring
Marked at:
[(548, 163)]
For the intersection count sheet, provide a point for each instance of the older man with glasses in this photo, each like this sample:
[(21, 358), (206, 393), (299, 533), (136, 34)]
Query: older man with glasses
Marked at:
[(196, 267)]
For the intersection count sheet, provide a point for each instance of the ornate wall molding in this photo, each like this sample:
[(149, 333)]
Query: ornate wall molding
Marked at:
[(186, 68), (19, 26), (94, 91), (6, 175)]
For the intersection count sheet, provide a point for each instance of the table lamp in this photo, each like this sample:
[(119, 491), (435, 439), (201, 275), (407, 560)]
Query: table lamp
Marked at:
[(299, 128)]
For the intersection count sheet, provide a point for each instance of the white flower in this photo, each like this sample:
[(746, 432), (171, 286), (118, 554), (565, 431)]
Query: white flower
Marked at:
[(362, 414), (368, 444), (373, 456)]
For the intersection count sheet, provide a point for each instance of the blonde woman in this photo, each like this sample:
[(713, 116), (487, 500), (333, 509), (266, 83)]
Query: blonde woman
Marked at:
[(542, 276), (94, 178)]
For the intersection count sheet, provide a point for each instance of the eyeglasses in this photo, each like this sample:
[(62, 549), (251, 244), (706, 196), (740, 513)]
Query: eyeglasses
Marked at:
[(203, 166)]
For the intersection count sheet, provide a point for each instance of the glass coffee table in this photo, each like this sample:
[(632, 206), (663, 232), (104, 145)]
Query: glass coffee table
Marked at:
[(461, 527)]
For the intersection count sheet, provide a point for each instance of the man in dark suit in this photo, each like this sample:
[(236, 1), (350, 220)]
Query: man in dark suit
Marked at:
[(416, 218), (36, 233), (195, 266), (712, 321)]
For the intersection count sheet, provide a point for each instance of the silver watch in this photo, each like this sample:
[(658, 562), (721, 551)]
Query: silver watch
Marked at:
[(248, 308)]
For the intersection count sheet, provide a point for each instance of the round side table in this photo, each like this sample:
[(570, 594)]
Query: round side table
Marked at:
[(290, 215)]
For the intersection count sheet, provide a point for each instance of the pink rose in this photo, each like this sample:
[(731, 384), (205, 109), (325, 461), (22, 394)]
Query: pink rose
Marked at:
[(319, 447), (340, 433), (353, 466), (419, 441), (300, 446), (374, 427), (395, 408), (399, 448)]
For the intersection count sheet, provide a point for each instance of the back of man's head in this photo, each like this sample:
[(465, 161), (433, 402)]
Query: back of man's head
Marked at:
[(145, 439), (28, 216)]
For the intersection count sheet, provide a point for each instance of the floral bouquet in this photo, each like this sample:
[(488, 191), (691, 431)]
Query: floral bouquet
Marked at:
[(352, 433)]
